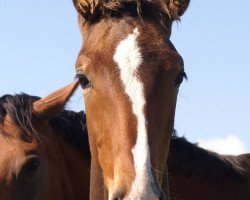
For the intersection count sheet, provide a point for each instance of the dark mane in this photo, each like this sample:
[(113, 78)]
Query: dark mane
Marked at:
[(71, 125), (190, 160), (19, 108), (161, 10)]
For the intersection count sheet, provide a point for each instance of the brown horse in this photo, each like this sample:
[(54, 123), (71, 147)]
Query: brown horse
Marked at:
[(42, 150), (130, 73), (196, 173)]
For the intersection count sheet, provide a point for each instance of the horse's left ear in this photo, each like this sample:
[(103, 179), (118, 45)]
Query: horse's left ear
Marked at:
[(177, 8), (51, 105)]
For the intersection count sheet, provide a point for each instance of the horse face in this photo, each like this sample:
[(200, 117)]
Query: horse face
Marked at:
[(33, 167), (21, 163), (130, 74), (35, 164)]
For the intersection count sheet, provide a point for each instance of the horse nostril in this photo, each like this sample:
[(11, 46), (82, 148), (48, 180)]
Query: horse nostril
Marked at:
[(162, 196), (119, 194), (117, 198)]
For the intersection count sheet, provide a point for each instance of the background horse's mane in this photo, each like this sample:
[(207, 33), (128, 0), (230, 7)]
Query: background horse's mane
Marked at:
[(191, 160), (162, 10), (70, 124)]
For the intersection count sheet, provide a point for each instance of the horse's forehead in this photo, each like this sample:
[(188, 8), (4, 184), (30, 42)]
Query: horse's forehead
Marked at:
[(11, 145), (13, 153), (9, 126), (101, 49), (14, 135), (13, 148), (100, 43)]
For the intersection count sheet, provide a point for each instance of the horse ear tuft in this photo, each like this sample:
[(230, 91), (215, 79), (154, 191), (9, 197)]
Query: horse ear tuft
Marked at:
[(93, 9), (51, 105), (177, 8), (89, 9)]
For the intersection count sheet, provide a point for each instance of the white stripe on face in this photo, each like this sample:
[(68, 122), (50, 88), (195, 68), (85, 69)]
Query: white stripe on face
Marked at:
[(128, 57)]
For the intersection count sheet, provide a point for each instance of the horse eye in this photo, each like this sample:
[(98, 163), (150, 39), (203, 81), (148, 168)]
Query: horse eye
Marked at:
[(32, 165), (83, 80), (179, 79)]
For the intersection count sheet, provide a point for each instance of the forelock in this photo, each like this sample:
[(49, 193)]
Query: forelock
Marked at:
[(19, 108), (161, 10)]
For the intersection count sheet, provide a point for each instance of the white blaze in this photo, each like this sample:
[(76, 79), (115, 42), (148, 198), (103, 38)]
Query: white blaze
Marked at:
[(129, 59)]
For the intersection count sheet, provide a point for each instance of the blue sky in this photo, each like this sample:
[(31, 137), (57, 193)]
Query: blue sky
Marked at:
[(39, 43)]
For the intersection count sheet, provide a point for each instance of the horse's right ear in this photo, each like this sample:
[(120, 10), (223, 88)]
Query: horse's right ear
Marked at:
[(177, 8), (51, 105)]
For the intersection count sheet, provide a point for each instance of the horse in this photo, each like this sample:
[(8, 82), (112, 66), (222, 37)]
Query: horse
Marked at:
[(130, 73), (196, 173), (29, 150), (44, 151)]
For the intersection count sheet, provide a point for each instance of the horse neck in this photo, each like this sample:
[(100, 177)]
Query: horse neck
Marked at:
[(195, 173), (76, 169), (189, 160)]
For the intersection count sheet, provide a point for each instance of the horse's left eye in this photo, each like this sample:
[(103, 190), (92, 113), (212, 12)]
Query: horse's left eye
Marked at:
[(33, 164), (83, 80), (179, 79)]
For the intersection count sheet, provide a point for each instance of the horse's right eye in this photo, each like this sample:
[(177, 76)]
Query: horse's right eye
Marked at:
[(83, 80), (32, 165), (179, 79)]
